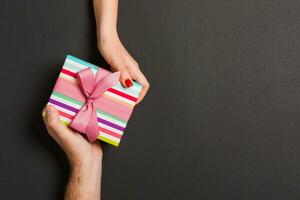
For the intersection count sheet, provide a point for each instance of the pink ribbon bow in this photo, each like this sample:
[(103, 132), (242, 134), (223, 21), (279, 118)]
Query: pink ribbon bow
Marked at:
[(93, 87)]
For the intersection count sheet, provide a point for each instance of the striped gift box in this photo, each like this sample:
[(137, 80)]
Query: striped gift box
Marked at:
[(117, 103)]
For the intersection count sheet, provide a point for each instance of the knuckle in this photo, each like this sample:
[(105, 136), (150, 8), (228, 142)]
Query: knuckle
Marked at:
[(116, 64), (124, 76)]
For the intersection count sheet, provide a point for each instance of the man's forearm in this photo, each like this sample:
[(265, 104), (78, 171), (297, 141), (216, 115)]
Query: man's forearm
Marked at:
[(106, 14), (85, 182)]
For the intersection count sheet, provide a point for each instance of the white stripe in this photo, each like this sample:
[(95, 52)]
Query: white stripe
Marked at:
[(110, 137), (76, 64), (110, 128), (69, 69), (79, 65)]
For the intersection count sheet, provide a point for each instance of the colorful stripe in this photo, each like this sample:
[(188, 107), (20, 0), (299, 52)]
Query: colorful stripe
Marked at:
[(63, 105), (104, 127), (75, 110), (81, 62), (105, 104), (80, 104), (74, 67), (116, 103), (121, 96)]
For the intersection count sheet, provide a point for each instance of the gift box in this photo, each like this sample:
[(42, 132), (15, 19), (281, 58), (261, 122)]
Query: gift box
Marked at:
[(92, 101)]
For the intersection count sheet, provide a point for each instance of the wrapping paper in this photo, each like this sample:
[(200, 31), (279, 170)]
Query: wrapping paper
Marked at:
[(114, 107)]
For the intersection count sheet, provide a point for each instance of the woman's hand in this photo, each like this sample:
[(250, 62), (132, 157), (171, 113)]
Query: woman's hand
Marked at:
[(111, 48), (119, 59)]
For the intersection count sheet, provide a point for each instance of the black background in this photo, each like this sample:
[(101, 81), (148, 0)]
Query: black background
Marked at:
[(221, 120)]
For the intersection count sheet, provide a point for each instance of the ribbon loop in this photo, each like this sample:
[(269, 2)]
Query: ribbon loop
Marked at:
[(93, 88)]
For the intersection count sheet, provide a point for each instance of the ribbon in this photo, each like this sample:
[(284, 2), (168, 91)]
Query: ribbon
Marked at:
[(92, 87)]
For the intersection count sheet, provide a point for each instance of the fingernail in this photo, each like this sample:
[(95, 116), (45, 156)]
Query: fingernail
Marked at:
[(49, 110), (128, 82)]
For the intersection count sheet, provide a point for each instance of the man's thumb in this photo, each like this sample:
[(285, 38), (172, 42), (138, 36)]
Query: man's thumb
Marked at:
[(52, 116)]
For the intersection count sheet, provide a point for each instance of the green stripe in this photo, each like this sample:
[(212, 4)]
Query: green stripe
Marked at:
[(108, 140), (81, 104), (78, 60)]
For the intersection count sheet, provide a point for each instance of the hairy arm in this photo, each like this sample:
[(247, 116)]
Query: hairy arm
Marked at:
[(85, 158), (84, 182)]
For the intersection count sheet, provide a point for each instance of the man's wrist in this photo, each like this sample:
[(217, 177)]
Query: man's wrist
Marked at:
[(85, 180), (87, 164)]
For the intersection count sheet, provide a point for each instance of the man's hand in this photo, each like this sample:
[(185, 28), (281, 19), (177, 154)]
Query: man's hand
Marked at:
[(85, 158)]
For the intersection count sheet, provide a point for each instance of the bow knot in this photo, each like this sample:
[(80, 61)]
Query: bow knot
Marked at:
[(90, 100), (93, 87)]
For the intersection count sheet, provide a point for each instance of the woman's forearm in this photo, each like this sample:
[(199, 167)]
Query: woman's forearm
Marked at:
[(106, 14), (112, 49)]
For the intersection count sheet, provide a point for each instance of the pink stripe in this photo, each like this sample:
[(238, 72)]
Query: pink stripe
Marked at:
[(102, 103), (69, 90)]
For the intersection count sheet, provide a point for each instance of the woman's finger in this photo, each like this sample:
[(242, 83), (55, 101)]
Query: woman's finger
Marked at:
[(125, 78), (141, 79)]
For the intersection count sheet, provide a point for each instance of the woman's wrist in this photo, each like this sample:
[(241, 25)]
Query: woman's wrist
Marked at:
[(105, 36)]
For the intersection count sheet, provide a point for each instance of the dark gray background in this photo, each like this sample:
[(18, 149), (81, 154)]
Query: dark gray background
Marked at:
[(221, 120)]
